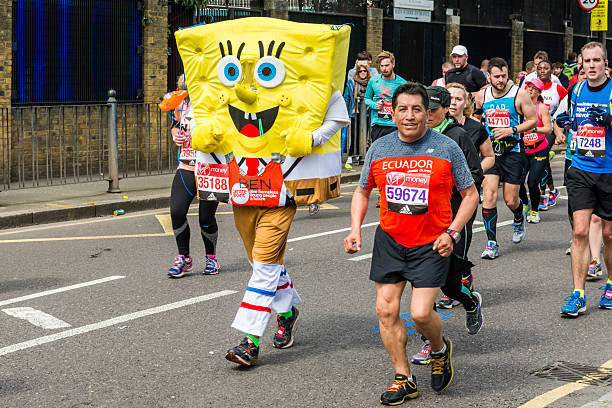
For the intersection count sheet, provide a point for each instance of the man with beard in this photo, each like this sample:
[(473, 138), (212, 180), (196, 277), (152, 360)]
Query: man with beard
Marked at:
[(503, 105)]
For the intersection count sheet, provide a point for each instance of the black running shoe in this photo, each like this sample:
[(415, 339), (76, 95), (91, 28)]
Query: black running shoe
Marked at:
[(283, 338), (401, 389), (474, 319), (442, 367), (246, 353)]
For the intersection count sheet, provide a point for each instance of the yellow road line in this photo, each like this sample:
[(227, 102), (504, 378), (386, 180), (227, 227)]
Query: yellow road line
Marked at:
[(553, 395), (166, 222), (16, 241), (60, 205)]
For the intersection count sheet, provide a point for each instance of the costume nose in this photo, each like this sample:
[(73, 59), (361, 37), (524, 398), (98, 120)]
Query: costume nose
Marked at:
[(246, 90)]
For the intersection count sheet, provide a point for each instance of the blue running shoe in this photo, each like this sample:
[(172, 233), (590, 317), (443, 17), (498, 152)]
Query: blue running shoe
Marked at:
[(181, 265), (519, 230), (491, 251), (606, 298), (543, 203), (212, 265), (575, 305)]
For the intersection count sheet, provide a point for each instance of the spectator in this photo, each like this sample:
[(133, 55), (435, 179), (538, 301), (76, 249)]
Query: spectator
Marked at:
[(537, 58), (570, 68), (363, 57), (466, 74), (484, 66), (353, 94), (447, 66), (557, 69), (530, 67)]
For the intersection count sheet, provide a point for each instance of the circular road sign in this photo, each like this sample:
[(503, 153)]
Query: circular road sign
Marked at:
[(588, 5)]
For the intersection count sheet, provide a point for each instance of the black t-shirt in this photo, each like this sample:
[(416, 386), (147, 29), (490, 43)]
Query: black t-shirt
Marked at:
[(476, 131), (471, 77)]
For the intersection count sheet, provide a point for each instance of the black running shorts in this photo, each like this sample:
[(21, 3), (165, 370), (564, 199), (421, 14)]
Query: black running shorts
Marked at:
[(509, 167), (590, 190), (568, 163), (421, 266)]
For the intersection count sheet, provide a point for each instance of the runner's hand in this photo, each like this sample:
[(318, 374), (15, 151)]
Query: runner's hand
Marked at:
[(352, 242), (379, 105), (176, 136), (444, 245), (500, 133), (563, 120), (599, 116)]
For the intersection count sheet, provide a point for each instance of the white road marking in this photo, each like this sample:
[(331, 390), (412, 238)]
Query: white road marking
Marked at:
[(479, 229), (320, 234), (361, 257), (59, 290), (36, 317), (478, 222), (110, 322)]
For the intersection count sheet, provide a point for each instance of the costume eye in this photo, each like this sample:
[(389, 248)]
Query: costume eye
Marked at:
[(229, 70), (269, 72)]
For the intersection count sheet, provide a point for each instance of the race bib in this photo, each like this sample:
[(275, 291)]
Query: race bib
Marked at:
[(212, 180), (591, 141), (385, 111), (407, 193), (531, 138), (497, 117), (188, 156)]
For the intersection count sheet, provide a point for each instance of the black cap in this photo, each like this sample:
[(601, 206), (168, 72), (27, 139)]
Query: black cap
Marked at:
[(438, 96)]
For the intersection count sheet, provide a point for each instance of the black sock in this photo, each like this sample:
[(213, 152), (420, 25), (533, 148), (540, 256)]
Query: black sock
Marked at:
[(518, 212), (489, 215)]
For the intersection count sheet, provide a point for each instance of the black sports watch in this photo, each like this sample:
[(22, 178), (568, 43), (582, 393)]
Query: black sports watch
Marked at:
[(514, 130), (454, 235)]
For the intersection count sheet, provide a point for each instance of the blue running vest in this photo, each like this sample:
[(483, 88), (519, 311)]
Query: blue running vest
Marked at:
[(501, 112), (593, 143)]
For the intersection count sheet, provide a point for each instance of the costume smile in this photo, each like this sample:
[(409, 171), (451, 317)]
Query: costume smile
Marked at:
[(249, 123)]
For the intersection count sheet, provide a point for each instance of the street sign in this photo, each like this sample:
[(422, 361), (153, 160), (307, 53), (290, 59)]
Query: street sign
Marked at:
[(405, 14), (588, 5), (415, 4), (599, 17)]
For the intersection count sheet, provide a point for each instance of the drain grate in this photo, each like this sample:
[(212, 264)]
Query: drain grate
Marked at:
[(573, 372)]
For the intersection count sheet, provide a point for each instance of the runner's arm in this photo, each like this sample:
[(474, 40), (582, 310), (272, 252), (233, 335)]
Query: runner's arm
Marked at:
[(469, 202), (359, 207), (488, 157), (546, 127), (369, 96)]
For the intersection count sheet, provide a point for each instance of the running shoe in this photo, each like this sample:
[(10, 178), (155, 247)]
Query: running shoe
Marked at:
[(606, 297), (594, 272), (442, 367), (519, 230), (401, 389), (422, 357), (575, 305), (525, 208), (181, 265), (552, 197), (543, 203), (491, 251), (468, 282), (246, 353), (533, 217), (447, 303), (283, 338), (212, 265), (474, 318), (568, 251), (313, 209)]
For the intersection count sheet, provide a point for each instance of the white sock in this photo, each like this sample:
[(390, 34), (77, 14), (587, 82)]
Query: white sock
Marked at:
[(441, 351)]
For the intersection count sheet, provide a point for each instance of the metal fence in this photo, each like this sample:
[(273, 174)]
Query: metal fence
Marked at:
[(54, 145)]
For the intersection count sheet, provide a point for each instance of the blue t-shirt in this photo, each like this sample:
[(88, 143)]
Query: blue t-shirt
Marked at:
[(593, 143), (380, 89)]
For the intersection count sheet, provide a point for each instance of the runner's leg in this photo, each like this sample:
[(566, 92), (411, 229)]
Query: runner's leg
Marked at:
[(392, 330)]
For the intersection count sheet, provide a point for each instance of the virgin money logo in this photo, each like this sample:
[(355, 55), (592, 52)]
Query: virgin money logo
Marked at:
[(395, 178), (203, 169)]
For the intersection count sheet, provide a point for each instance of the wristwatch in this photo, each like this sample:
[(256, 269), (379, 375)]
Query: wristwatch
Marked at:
[(514, 130), (454, 235), (535, 129)]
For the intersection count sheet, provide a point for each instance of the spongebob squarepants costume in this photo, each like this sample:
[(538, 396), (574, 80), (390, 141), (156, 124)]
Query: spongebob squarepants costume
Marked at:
[(268, 109)]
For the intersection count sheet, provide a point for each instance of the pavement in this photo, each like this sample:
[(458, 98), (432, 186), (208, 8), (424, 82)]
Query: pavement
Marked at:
[(41, 205)]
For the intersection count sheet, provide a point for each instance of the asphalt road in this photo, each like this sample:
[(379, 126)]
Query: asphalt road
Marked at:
[(131, 337)]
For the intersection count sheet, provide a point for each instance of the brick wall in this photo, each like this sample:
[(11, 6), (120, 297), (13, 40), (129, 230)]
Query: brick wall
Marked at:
[(516, 64), (374, 27), (5, 51), (452, 34), (155, 42), (568, 41)]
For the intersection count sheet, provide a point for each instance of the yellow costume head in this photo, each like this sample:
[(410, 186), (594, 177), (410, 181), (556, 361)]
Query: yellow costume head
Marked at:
[(250, 79)]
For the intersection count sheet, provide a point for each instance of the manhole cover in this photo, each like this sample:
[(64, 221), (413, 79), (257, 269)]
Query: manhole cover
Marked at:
[(573, 372)]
